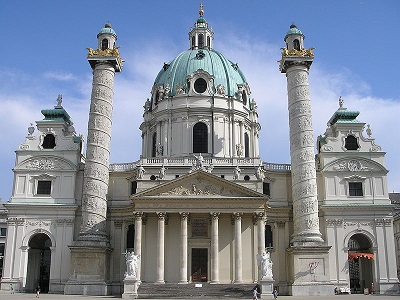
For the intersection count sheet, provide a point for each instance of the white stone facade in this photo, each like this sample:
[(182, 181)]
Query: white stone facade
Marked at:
[(196, 216)]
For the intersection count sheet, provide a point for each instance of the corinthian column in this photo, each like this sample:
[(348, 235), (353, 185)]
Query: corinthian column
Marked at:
[(138, 240), (214, 248), (184, 248), (238, 247), (160, 247)]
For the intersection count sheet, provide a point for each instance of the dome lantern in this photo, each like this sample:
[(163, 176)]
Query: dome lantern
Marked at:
[(201, 37), (106, 37), (294, 38)]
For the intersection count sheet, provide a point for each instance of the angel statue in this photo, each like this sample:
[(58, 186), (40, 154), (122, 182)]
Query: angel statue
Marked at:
[(264, 260), (132, 264)]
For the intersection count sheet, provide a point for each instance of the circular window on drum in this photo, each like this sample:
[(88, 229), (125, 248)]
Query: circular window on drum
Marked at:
[(200, 85)]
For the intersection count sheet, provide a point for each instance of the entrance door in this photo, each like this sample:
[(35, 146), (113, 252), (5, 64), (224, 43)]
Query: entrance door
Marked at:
[(39, 258), (199, 264), (360, 263)]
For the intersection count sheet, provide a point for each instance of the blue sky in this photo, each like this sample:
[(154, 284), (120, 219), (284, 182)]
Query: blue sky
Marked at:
[(43, 47)]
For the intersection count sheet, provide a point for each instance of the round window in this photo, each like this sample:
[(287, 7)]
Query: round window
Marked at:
[(200, 85)]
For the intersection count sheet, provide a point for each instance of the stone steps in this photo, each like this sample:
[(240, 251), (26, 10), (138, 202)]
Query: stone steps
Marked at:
[(170, 290)]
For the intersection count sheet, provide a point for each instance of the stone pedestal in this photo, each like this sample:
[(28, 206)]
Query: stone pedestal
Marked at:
[(267, 286), (131, 286), (309, 271), (89, 272)]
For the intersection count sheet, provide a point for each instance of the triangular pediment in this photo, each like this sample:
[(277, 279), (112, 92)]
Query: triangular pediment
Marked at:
[(199, 184)]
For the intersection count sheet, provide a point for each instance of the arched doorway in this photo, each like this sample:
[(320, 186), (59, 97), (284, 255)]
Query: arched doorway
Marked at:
[(39, 259), (360, 258)]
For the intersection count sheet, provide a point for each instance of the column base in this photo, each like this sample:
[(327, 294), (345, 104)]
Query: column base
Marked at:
[(309, 270), (89, 271)]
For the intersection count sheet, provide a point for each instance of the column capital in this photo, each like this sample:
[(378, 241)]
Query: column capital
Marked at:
[(237, 215), (215, 215), (161, 215), (138, 215), (184, 215)]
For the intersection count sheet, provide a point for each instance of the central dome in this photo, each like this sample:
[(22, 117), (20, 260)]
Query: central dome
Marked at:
[(226, 73)]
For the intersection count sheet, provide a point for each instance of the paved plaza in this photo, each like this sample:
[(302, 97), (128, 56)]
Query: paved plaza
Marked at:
[(20, 296)]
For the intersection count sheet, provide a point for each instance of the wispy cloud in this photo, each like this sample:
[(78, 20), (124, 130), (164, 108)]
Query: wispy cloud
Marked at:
[(59, 76)]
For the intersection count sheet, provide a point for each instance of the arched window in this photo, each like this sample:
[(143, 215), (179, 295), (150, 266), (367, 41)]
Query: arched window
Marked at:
[(49, 142), (104, 44), (154, 145), (201, 41), (351, 143), (296, 44), (133, 187), (246, 145), (208, 42), (200, 138), (269, 244), (156, 98), (193, 42), (244, 97), (130, 237)]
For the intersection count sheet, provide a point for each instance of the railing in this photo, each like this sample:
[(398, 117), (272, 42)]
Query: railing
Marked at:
[(189, 161)]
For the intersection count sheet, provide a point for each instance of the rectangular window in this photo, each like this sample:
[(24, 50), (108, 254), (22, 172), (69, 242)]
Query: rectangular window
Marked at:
[(3, 231), (266, 189), (355, 189), (44, 187)]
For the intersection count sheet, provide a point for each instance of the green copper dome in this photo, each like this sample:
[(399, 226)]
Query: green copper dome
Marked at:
[(107, 30), (225, 72), (294, 30)]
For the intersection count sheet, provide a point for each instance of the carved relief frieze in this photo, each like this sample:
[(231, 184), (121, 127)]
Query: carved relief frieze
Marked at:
[(299, 92), (303, 139), (99, 138), (100, 122), (304, 155), (94, 204), (98, 154), (67, 222), (102, 108), (102, 93), (97, 172), (37, 223), (305, 189), (298, 79), (383, 222), (352, 165), (95, 187), (103, 78), (334, 222), (358, 224), (46, 163), (15, 221), (305, 171), (300, 108), (305, 207)]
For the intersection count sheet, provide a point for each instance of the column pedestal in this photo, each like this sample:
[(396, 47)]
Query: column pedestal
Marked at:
[(90, 272), (131, 286), (267, 287), (310, 271)]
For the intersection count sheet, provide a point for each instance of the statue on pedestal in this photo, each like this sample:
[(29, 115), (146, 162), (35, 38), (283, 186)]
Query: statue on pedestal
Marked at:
[(265, 262), (132, 264)]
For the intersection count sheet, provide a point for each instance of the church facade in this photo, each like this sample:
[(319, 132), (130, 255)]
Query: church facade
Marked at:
[(200, 205)]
